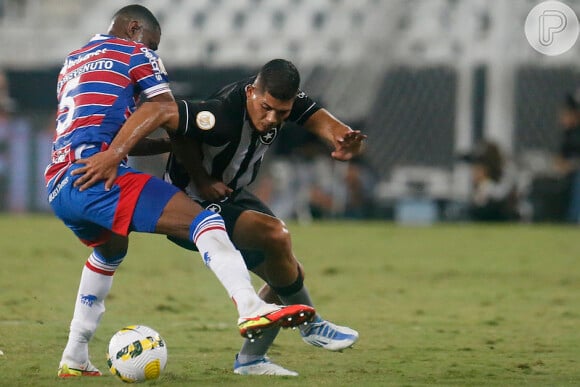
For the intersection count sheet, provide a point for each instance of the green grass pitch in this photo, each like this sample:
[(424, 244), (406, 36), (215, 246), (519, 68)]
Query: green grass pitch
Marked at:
[(446, 305)]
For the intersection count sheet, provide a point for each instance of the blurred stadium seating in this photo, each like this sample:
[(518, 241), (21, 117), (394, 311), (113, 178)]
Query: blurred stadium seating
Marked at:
[(425, 79)]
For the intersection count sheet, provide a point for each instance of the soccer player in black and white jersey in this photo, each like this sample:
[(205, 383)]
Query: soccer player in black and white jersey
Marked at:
[(217, 153)]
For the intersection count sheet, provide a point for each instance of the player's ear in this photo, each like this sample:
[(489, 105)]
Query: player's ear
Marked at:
[(133, 29), (250, 91)]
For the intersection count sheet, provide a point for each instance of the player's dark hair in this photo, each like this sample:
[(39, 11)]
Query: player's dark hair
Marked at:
[(280, 78), (138, 12)]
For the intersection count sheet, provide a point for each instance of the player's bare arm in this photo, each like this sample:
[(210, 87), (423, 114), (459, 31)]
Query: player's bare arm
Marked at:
[(188, 152), (147, 118), (151, 146), (347, 143)]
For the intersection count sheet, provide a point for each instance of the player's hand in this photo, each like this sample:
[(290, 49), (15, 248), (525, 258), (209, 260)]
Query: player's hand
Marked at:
[(350, 145), (212, 189), (100, 166)]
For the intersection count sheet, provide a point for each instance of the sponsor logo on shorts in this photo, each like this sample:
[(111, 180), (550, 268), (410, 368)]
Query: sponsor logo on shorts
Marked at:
[(205, 120), (214, 208), (57, 189)]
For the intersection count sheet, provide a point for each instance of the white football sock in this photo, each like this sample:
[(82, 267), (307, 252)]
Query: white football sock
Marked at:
[(96, 281), (219, 254)]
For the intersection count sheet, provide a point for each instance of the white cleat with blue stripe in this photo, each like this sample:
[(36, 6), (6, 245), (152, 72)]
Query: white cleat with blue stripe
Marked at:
[(324, 334), (261, 366)]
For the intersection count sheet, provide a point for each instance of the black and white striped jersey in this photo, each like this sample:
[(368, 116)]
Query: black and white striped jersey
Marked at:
[(232, 149)]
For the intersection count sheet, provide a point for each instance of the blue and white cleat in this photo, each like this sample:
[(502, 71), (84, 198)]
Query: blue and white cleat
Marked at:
[(261, 366), (324, 334)]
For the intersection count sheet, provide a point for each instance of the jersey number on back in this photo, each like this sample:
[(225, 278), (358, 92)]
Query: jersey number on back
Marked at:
[(67, 106)]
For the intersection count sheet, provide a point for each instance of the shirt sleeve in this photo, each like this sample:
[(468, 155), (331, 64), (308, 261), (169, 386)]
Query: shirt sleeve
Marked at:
[(205, 121), (148, 73), (304, 107)]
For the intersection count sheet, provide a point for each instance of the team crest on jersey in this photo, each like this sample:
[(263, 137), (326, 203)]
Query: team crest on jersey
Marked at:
[(205, 120), (268, 137), (214, 208)]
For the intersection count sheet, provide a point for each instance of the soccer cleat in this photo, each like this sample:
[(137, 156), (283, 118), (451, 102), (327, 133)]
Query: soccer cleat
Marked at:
[(261, 366), (329, 336), (65, 371), (275, 316)]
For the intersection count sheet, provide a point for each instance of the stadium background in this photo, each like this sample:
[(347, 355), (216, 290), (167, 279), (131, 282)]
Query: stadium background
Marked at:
[(425, 79)]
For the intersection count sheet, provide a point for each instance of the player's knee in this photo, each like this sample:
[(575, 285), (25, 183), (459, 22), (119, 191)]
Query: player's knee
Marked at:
[(113, 251), (276, 235)]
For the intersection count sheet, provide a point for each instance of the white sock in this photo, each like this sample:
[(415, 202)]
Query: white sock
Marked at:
[(219, 254), (96, 281)]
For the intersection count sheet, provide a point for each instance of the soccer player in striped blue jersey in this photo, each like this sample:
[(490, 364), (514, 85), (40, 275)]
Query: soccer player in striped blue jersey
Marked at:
[(97, 90)]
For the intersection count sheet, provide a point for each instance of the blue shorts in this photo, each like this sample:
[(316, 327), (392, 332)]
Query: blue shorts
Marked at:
[(134, 203)]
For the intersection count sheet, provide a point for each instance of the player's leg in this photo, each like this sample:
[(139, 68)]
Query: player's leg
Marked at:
[(285, 276), (183, 218), (95, 284), (96, 216), (320, 333), (258, 231), (252, 359), (93, 227), (164, 209)]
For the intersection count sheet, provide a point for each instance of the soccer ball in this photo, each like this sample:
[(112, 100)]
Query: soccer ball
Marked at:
[(136, 353)]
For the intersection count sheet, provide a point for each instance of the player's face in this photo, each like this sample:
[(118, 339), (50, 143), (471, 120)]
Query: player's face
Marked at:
[(265, 111), (142, 33), (150, 38)]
